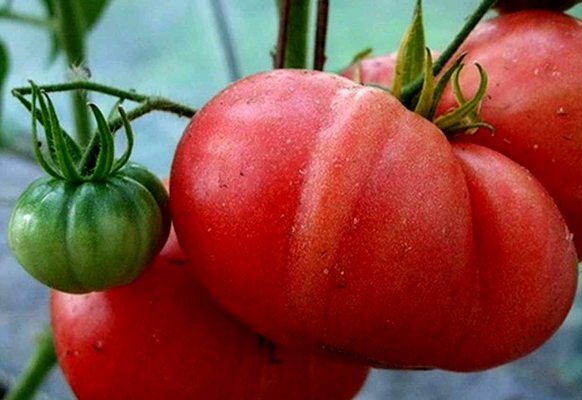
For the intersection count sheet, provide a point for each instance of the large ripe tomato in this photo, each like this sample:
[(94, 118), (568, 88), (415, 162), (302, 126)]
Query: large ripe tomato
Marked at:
[(330, 218), (534, 99), (163, 337)]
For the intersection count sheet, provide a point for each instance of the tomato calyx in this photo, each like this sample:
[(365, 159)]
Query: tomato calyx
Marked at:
[(66, 160), (414, 62)]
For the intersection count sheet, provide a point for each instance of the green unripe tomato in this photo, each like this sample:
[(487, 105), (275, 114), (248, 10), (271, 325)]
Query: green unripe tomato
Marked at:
[(90, 236)]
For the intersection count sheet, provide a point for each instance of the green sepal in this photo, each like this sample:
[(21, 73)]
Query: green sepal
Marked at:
[(129, 134), (46, 166), (106, 154), (410, 58), (442, 84), (466, 115), (426, 98), (74, 148), (67, 165)]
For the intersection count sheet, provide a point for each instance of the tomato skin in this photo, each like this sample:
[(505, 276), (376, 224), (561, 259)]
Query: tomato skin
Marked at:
[(330, 218), (163, 337), (90, 236), (533, 99)]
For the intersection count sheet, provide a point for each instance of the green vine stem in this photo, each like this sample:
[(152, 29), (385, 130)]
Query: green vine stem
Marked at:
[(293, 33), (39, 365), (71, 31), (8, 14), (412, 89), (147, 103)]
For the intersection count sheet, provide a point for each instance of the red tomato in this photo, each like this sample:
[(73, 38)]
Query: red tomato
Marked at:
[(163, 337), (330, 218), (534, 99)]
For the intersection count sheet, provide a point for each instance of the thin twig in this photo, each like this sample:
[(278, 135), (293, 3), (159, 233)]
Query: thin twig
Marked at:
[(226, 39), (282, 37), (321, 34)]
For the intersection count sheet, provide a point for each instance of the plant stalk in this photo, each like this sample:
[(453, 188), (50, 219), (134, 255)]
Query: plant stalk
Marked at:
[(293, 33), (321, 34), (71, 28), (39, 365)]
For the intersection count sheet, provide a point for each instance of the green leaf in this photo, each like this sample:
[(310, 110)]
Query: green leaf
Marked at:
[(92, 10), (411, 53)]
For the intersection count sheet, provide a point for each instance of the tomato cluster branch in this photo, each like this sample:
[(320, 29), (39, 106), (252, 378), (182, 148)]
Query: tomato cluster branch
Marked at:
[(39, 365), (148, 103)]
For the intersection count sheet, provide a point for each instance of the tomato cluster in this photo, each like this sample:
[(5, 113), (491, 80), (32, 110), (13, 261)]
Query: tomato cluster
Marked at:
[(322, 222)]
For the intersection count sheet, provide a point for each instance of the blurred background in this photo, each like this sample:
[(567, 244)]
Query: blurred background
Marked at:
[(173, 49)]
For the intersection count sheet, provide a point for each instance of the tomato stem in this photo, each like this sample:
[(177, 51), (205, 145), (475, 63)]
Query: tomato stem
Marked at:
[(293, 32), (41, 362), (7, 13), (71, 31), (412, 89), (321, 34)]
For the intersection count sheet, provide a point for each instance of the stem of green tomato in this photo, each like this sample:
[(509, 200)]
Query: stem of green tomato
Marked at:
[(39, 365), (293, 33), (412, 89), (71, 31)]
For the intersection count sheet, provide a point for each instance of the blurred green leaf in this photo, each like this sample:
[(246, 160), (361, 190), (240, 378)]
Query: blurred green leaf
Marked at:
[(4, 65), (92, 11)]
